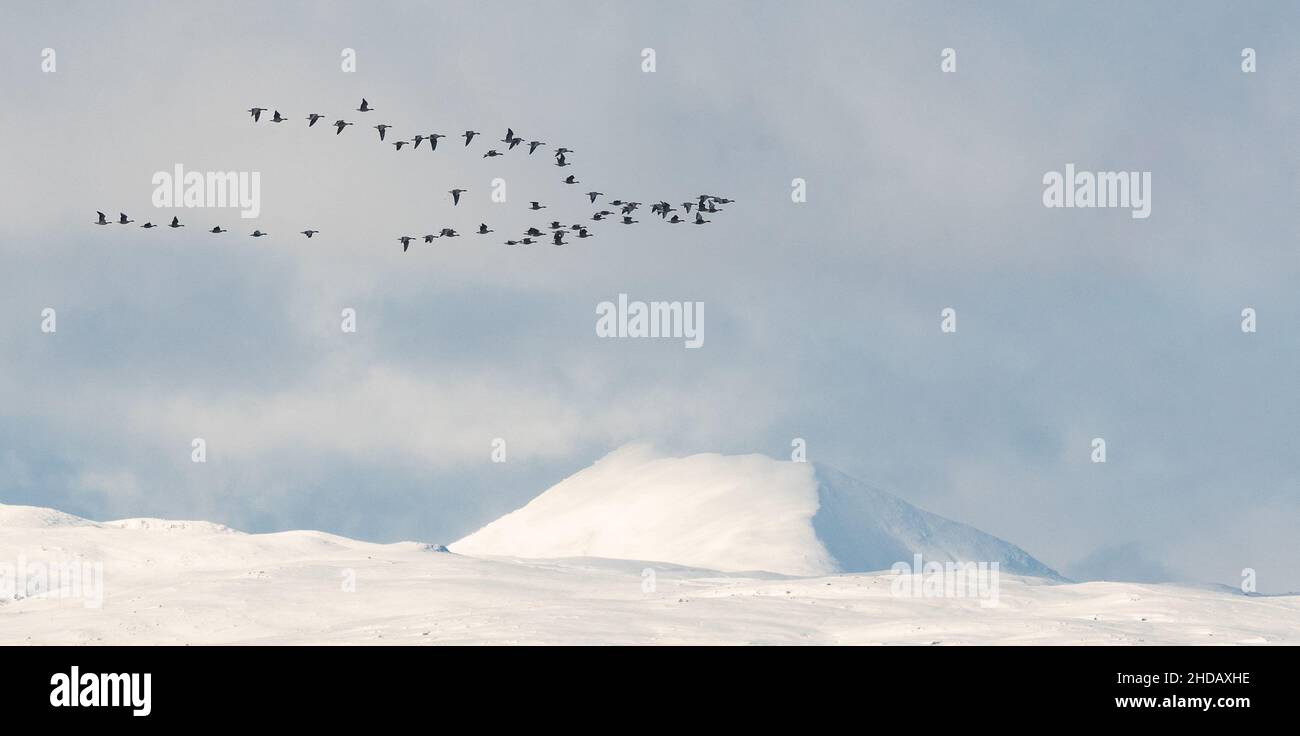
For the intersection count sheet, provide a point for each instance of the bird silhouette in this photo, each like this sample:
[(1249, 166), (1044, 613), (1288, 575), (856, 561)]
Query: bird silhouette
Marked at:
[(536, 206), (176, 222), (276, 118), (382, 129), (483, 229), (469, 136), (593, 196), (312, 118), (491, 154), (257, 234), (122, 219), (340, 124), (148, 225), (217, 229), (571, 179), (256, 112), (102, 219), (365, 106), (309, 233), (533, 146), (398, 144), (455, 196), (405, 240)]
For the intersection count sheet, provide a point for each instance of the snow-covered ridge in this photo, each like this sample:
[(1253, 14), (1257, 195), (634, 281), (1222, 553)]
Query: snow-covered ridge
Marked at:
[(152, 581), (734, 513)]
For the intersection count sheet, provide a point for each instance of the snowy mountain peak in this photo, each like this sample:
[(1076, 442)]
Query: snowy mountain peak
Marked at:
[(734, 513)]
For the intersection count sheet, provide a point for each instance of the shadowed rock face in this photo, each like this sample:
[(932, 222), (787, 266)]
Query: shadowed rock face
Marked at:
[(865, 529), (734, 513)]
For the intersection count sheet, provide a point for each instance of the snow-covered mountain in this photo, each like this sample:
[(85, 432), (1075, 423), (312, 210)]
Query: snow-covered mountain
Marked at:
[(68, 580), (197, 583), (734, 513)]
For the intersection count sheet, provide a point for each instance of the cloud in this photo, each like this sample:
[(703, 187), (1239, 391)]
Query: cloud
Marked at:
[(1123, 563)]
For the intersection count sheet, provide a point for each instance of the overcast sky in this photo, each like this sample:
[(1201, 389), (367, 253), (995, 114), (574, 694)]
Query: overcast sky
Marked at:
[(822, 318)]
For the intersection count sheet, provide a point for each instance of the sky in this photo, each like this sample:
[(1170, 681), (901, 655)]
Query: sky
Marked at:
[(924, 192)]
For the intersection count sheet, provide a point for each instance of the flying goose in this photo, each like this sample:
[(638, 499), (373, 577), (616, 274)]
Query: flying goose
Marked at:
[(309, 233), (469, 136), (176, 222), (365, 106), (382, 128), (122, 219), (455, 196), (102, 219), (256, 112), (217, 229), (340, 125)]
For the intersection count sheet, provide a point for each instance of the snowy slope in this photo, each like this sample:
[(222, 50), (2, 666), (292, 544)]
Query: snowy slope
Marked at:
[(198, 584), (734, 513)]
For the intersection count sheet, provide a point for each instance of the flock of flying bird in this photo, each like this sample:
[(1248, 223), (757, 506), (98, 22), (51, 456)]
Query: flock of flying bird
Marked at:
[(702, 204)]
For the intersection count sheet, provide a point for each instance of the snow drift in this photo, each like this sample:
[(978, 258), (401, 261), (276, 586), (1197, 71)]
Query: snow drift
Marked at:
[(734, 513)]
